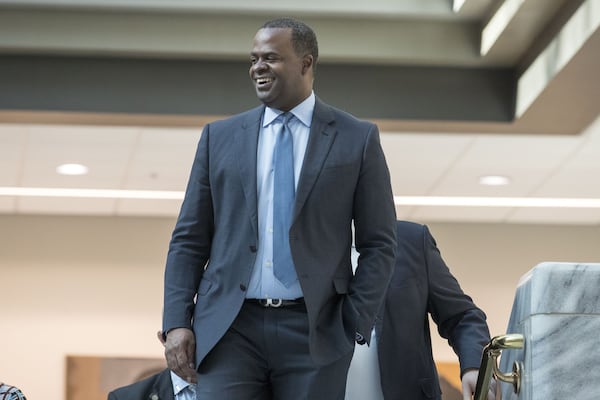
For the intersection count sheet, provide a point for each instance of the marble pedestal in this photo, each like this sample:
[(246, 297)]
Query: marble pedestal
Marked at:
[(557, 310)]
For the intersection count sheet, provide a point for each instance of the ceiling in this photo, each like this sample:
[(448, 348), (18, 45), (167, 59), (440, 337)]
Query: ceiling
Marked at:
[(549, 148)]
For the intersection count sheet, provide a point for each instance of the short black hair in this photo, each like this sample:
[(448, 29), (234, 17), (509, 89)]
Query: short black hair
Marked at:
[(304, 39)]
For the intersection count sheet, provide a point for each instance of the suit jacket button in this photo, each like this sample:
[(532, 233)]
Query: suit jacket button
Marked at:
[(242, 287), (253, 249)]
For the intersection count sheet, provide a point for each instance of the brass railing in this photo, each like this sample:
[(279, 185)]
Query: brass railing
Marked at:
[(489, 364)]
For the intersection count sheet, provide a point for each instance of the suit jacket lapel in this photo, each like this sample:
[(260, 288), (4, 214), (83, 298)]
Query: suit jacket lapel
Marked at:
[(246, 142), (322, 134), (162, 388)]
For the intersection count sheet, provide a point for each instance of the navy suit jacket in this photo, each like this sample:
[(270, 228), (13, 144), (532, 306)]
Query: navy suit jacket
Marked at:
[(422, 285), (155, 387), (344, 180)]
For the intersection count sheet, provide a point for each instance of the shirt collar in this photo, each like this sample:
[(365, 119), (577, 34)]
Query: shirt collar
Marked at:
[(302, 111), (179, 384)]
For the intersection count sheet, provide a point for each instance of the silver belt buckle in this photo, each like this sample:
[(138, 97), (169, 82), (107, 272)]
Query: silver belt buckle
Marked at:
[(273, 303)]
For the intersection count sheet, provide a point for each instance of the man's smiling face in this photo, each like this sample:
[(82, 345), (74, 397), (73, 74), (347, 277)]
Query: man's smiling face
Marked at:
[(279, 74)]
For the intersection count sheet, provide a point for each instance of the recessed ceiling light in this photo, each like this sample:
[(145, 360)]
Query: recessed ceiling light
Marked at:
[(72, 169), (494, 180)]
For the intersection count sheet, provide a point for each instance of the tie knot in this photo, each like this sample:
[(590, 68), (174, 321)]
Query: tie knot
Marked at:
[(286, 117)]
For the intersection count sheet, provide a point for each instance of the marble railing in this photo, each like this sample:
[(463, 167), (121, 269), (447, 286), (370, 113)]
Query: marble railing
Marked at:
[(557, 312)]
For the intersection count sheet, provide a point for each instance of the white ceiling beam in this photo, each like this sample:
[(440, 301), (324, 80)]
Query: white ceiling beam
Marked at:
[(498, 24), (201, 35), (380, 8), (565, 45), (457, 5)]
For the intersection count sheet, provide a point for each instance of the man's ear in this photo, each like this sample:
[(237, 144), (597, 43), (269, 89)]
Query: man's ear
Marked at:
[(307, 63)]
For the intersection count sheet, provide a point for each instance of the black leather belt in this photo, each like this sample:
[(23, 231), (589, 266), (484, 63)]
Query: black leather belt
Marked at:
[(276, 303)]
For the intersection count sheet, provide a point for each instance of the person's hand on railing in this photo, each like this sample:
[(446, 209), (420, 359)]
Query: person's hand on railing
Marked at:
[(489, 366), (469, 383)]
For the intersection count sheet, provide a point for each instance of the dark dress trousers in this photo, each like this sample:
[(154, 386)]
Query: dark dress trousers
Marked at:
[(213, 248), (155, 387), (422, 284)]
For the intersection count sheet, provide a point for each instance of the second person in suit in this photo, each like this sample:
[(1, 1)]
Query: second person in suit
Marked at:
[(260, 299), (163, 385), (400, 365)]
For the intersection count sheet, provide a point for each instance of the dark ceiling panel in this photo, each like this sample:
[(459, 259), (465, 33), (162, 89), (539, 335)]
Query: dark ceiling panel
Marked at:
[(201, 87)]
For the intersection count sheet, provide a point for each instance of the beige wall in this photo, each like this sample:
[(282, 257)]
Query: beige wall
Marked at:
[(93, 285)]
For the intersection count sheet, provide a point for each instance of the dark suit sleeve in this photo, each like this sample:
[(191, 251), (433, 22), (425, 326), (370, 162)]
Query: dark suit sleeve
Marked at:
[(458, 319), (375, 234), (189, 249)]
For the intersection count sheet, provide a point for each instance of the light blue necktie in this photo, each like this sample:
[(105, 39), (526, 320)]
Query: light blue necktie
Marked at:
[(284, 193)]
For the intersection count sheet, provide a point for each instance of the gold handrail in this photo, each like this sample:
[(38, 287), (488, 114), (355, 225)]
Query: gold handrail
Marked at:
[(489, 364)]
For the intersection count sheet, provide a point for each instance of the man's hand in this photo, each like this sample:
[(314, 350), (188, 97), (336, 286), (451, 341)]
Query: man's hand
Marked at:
[(180, 347), (469, 383)]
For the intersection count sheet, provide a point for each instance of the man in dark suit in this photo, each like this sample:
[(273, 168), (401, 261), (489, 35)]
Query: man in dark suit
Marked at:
[(156, 387), (400, 365), (260, 298), (164, 385)]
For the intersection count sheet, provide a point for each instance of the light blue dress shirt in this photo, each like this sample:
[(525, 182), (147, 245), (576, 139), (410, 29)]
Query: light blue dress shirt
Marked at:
[(182, 389), (263, 283)]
